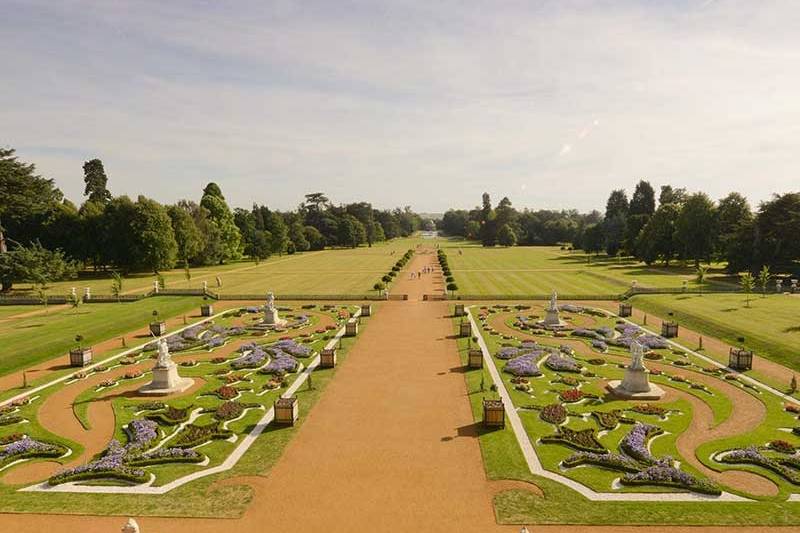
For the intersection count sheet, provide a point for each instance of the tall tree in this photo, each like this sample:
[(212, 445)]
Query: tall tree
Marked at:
[(657, 238), (188, 238), (695, 228), (734, 223), (279, 233), (671, 196), (298, 236), (221, 216), (154, 238), (778, 227), (94, 175), (33, 264)]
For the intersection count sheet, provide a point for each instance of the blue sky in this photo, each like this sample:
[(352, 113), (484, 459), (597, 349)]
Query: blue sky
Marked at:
[(425, 104)]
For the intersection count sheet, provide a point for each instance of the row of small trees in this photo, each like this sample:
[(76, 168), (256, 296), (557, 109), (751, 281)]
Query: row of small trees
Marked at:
[(389, 276)]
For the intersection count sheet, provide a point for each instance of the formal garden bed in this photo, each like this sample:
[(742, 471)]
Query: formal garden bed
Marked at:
[(158, 441), (624, 446)]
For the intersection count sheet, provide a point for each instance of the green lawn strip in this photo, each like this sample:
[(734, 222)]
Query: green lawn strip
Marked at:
[(37, 339), (769, 326), (203, 498), (561, 505)]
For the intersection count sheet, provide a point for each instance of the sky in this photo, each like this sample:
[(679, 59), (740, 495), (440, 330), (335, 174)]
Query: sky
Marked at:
[(426, 104)]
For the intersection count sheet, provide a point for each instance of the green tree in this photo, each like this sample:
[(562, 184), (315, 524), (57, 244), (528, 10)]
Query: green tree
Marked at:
[(617, 204), (278, 231), (763, 279), (94, 175), (379, 286), (220, 215), (315, 239), (671, 196), (614, 229), (657, 238), (747, 282), (695, 228), (187, 235), (298, 236), (116, 284), (34, 264), (262, 245), (26, 199), (735, 230), (506, 236), (777, 226), (154, 240), (700, 276), (488, 228)]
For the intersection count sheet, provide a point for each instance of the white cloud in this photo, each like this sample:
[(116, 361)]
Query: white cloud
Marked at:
[(427, 104)]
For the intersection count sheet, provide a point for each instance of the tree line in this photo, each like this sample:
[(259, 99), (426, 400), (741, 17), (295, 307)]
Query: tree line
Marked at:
[(678, 225), (45, 237)]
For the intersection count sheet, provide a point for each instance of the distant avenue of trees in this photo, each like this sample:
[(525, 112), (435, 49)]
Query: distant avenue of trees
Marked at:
[(45, 237), (678, 226)]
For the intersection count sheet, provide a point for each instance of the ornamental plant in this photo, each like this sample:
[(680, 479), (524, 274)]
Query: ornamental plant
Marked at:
[(554, 413)]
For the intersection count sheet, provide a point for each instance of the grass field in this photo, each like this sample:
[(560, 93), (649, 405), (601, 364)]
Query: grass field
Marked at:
[(28, 341), (336, 271), (770, 326), (540, 269)]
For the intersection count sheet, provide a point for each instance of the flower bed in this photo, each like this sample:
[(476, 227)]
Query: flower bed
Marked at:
[(281, 364), (194, 435), (662, 473), (165, 455), (753, 456), (524, 365), (562, 363), (574, 395), (782, 446), (7, 420), (133, 374), (554, 413), (610, 419), (583, 440), (254, 359), (28, 448), (170, 416), (649, 409), (226, 392), (608, 460), (634, 444), (599, 345), (8, 439), (597, 361), (292, 348), (508, 352)]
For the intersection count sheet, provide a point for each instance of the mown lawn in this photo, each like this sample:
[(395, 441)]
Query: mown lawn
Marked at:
[(770, 326), (28, 341), (536, 270), (336, 271)]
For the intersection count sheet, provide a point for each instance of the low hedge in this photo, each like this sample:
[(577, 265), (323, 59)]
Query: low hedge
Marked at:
[(101, 474)]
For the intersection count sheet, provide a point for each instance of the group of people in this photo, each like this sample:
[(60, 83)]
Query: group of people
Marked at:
[(418, 274)]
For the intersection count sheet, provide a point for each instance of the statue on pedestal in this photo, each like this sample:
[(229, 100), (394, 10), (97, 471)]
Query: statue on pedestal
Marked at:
[(164, 359)]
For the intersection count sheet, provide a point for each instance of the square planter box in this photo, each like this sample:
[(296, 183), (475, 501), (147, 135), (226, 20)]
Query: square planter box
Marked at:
[(80, 357), (366, 310), (206, 310), (669, 329), (158, 328), (625, 310), (494, 414), (286, 410), (460, 310), (740, 359), (475, 359), (351, 328), (327, 359), (465, 329)]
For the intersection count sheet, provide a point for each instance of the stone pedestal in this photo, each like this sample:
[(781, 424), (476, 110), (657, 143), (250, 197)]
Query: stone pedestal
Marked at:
[(635, 384), (166, 381)]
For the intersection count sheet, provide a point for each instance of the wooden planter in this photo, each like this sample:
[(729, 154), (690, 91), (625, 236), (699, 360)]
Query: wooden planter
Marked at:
[(351, 328), (286, 410), (494, 414), (740, 359), (327, 358), (158, 328), (366, 310), (475, 358), (80, 357), (625, 310), (460, 310), (206, 310), (669, 329), (465, 329)]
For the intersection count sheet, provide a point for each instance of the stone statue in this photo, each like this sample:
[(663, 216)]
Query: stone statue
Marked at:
[(131, 526), (164, 359), (270, 301), (553, 301), (637, 354)]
